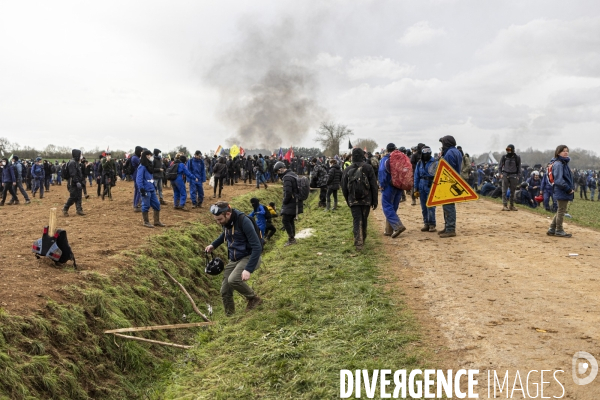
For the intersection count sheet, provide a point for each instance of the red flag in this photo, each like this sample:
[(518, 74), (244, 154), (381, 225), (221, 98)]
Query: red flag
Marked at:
[(289, 155), (242, 152)]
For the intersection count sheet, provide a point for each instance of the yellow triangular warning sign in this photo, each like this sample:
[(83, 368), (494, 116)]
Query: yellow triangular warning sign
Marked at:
[(449, 187)]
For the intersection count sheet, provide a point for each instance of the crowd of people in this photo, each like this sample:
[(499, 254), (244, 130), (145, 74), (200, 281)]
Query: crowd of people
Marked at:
[(361, 176)]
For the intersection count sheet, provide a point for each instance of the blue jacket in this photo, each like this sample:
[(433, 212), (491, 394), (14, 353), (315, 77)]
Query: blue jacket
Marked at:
[(591, 182), (423, 179), (546, 187), (563, 179), (143, 178), (487, 189), (385, 178), (37, 171), (197, 168), (453, 157), (8, 174), (261, 221), (135, 163), (182, 170)]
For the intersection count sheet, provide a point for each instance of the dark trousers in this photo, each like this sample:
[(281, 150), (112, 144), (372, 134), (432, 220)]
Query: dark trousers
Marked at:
[(218, 184), (270, 230), (47, 180), (323, 196), (360, 216), (509, 182), (334, 193), (289, 224), (6, 189), (582, 191), (74, 197), (98, 185)]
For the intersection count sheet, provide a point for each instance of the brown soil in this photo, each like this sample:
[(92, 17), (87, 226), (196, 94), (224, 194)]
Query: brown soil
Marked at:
[(108, 228), (501, 295)]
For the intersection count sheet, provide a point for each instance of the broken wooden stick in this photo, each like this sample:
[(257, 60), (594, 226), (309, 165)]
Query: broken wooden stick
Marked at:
[(158, 327), (179, 346), (204, 317), (52, 222)]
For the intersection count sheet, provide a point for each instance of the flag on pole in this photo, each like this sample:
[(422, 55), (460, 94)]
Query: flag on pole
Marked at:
[(289, 155), (242, 152), (349, 144), (218, 151), (280, 155), (234, 151)]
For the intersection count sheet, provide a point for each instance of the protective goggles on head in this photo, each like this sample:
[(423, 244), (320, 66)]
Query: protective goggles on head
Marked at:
[(216, 210), (426, 150)]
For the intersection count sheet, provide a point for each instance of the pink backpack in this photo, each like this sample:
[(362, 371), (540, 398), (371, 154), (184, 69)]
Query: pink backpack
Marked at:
[(401, 170)]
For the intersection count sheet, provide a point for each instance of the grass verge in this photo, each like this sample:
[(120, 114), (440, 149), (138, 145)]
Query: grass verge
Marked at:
[(61, 352), (325, 309), (584, 213)]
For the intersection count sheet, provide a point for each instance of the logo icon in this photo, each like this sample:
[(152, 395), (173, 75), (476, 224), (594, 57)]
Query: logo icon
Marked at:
[(581, 367)]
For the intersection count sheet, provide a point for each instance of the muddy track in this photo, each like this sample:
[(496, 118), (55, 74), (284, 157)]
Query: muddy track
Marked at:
[(501, 295), (108, 228)]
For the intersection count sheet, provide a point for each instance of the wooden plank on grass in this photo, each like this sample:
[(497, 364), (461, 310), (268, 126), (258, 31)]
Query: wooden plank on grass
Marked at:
[(179, 346), (158, 327)]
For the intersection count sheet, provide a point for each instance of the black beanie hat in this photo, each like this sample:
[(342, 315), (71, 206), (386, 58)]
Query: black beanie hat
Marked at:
[(390, 147), (183, 159)]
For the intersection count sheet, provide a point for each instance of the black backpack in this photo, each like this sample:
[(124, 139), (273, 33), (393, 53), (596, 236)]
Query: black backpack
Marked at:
[(358, 183), (302, 186), (171, 173), (256, 228), (55, 247), (65, 171)]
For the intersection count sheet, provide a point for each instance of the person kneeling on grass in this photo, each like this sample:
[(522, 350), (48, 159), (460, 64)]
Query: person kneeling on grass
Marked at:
[(244, 251), (145, 182)]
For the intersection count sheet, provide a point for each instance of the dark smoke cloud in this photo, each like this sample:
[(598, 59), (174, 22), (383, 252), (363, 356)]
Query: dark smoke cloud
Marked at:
[(268, 88)]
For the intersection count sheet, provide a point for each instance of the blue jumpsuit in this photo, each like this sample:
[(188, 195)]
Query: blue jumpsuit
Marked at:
[(179, 192), (261, 221), (145, 180), (390, 197), (196, 167)]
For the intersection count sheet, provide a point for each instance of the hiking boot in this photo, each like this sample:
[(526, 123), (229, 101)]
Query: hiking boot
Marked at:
[(147, 223), (253, 303), (505, 208), (387, 234), (65, 212), (162, 202), (551, 232), (358, 247), (425, 228), (199, 205), (102, 197), (27, 201), (1, 203), (41, 197), (157, 219), (513, 208), (34, 194), (414, 203), (442, 231), (335, 206), (290, 242), (17, 202), (11, 202), (266, 187), (563, 234), (397, 232), (87, 196), (432, 228), (80, 212), (448, 234)]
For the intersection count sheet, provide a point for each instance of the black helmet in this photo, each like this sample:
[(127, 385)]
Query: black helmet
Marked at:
[(278, 165), (214, 266)]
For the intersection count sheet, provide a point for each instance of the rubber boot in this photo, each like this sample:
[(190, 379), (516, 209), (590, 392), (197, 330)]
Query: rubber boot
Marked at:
[(388, 229), (157, 218), (147, 223)]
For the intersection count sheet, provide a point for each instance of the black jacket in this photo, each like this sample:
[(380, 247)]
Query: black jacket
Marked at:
[(370, 174), (220, 170), (74, 167), (334, 177), (158, 165), (290, 189)]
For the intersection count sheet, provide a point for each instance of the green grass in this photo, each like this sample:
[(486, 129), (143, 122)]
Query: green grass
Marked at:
[(62, 353), (584, 213), (321, 314)]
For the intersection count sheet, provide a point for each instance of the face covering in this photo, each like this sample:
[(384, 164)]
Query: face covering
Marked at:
[(152, 159), (3, 163), (426, 157)]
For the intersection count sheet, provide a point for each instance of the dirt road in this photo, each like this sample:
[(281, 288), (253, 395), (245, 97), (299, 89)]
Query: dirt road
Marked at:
[(108, 228), (502, 295)]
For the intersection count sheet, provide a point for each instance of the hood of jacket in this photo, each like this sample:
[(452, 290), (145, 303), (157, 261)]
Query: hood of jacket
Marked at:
[(76, 153), (138, 151), (448, 142), (358, 155)]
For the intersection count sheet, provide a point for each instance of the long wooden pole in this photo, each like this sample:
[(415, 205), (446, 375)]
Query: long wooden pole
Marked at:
[(52, 222), (179, 346), (204, 317), (158, 327)]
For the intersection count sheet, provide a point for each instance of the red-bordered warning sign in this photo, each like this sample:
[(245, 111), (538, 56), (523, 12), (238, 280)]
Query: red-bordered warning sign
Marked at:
[(449, 187)]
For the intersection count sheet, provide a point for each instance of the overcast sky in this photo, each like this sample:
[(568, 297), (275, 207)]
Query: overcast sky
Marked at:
[(160, 74)]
